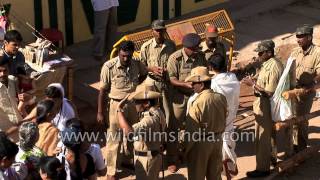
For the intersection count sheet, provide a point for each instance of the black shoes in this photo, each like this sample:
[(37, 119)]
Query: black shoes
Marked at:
[(256, 174)]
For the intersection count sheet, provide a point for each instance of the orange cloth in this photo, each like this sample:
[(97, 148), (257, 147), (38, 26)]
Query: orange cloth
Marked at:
[(48, 138)]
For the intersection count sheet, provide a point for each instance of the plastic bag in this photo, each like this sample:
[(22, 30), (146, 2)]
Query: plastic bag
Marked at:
[(281, 109)]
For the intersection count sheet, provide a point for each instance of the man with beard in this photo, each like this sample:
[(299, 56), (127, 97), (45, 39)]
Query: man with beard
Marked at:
[(9, 114), (211, 45), (179, 67)]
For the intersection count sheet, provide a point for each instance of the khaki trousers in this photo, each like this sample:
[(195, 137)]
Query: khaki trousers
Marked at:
[(105, 29), (204, 160), (264, 135), (175, 124), (147, 167), (300, 131), (115, 146)]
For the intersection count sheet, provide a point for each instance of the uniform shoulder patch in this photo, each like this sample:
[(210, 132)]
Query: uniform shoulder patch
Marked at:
[(295, 51), (176, 55), (146, 43), (111, 63)]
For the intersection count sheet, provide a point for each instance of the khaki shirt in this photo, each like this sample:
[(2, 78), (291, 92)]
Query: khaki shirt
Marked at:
[(152, 54), (9, 114), (119, 81), (268, 79), (307, 65), (180, 65), (151, 122), (219, 49), (208, 111)]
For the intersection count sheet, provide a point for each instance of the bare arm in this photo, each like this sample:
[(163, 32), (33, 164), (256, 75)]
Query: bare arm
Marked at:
[(263, 91), (250, 82), (101, 105), (32, 115), (175, 82)]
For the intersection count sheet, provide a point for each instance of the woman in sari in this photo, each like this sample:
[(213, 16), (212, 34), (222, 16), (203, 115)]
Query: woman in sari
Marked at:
[(48, 133)]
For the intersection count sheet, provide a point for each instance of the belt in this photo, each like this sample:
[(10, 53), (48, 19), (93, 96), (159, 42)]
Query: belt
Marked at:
[(117, 100), (147, 153)]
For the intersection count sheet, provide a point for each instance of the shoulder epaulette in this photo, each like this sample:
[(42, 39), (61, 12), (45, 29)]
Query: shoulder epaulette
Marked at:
[(111, 63), (147, 43), (177, 54)]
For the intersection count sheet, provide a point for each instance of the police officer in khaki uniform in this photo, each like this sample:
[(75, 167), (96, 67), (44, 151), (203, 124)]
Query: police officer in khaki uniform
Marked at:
[(179, 67), (147, 144), (307, 71), (205, 123), (264, 88), (155, 54), (211, 45), (119, 77)]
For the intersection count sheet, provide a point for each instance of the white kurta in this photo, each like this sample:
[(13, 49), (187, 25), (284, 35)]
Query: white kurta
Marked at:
[(228, 85)]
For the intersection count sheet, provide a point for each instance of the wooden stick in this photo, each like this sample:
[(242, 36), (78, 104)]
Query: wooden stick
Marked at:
[(297, 158), (290, 163), (295, 93), (295, 120)]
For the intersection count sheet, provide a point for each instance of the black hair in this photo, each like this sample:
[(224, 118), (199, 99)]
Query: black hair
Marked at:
[(73, 129), (21, 71), (76, 151), (153, 102), (218, 63), (74, 122), (53, 92), (3, 61), (52, 167), (13, 36), (43, 108), (207, 84), (126, 46), (7, 148)]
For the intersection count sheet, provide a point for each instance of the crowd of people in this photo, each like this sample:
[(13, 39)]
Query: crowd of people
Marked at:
[(31, 144), (185, 95), (157, 92)]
